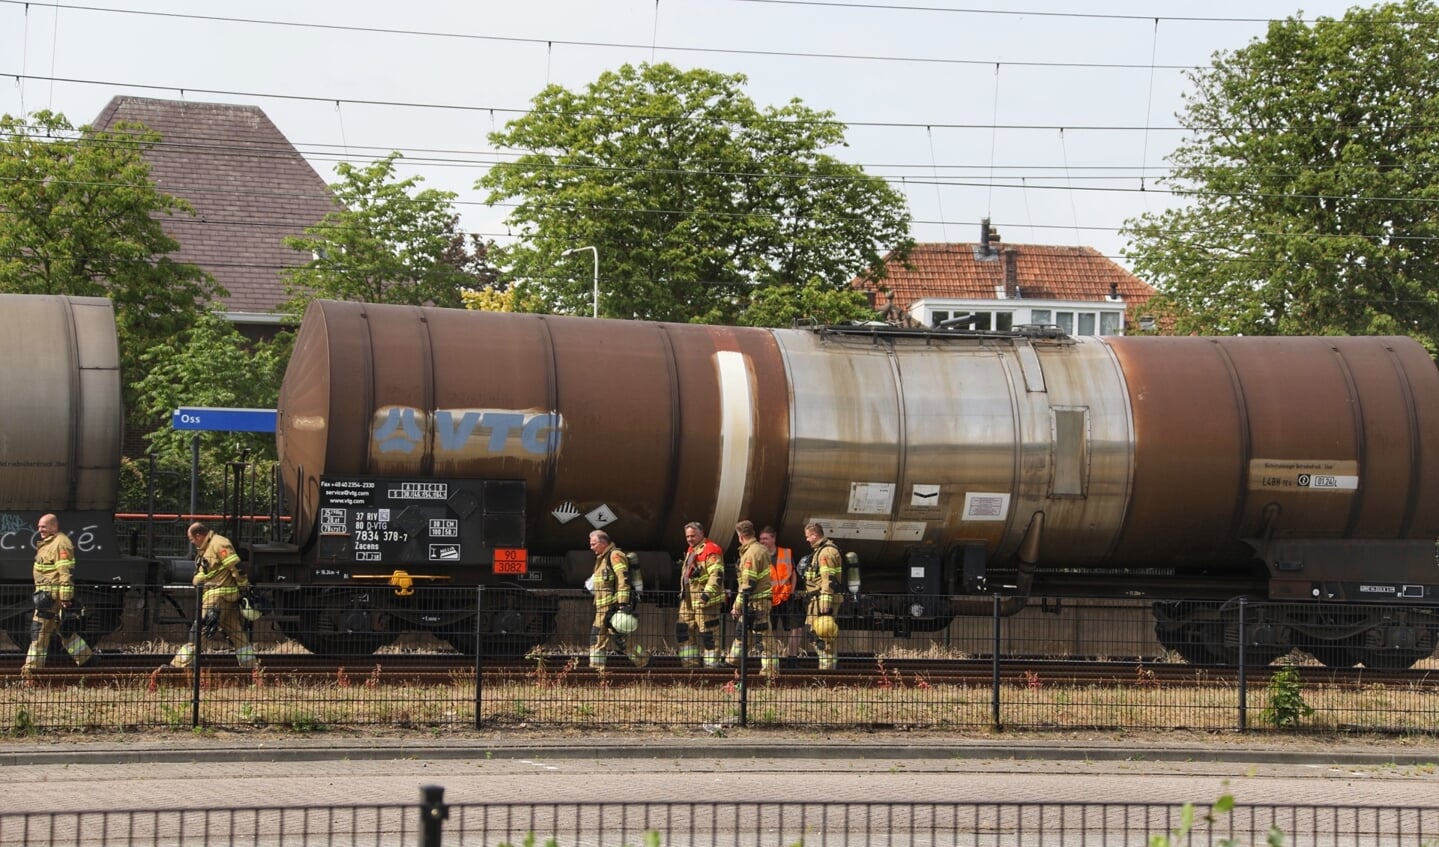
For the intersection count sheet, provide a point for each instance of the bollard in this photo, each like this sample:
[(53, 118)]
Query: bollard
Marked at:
[(433, 814)]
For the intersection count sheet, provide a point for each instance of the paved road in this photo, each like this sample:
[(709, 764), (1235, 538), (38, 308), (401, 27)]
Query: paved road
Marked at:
[(281, 771)]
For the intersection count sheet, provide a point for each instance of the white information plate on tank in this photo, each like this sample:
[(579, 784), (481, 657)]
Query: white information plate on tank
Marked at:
[(1303, 475), (871, 530), (923, 496), (986, 506), (871, 498)]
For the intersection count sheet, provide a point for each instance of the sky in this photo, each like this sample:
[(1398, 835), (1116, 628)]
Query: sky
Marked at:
[(1052, 118)]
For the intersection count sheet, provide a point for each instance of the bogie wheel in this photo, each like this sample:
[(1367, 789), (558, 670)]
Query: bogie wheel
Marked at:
[(509, 627), (1194, 641), (335, 621)]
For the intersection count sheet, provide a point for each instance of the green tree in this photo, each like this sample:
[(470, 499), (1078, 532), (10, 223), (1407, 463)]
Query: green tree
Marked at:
[(391, 242), (80, 216), (1310, 203), (211, 365), (811, 301), (699, 202)]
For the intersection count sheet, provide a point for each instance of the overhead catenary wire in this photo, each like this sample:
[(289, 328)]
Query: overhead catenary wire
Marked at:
[(1024, 177)]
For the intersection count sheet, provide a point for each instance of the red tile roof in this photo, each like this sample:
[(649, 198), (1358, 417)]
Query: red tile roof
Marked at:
[(1041, 272), (249, 187)]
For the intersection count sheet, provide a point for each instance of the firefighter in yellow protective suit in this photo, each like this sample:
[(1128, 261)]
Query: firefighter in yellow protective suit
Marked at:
[(54, 597), (753, 602), (217, 574), (611, 586), (701, 596), (822, 593)]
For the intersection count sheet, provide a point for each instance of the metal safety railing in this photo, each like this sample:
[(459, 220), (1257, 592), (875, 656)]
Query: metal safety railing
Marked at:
[(361, 655), (433, 823)]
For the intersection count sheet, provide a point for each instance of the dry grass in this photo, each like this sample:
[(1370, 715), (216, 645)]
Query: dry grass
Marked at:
[(558, 693)]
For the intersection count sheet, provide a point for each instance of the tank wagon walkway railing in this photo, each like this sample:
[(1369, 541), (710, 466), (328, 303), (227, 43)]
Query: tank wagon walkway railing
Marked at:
[(524, 661), (432, 823)]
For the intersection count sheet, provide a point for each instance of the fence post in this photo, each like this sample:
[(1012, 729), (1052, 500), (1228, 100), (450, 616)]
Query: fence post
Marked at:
[(479, 653), (433, 814), (994, 672), (197, 642), (1243, 676), (744, 630)]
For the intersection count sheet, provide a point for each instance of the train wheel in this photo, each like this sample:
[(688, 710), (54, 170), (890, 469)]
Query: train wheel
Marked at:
[(335, 621), (1397, 644), (1194, 641), (510, 629)]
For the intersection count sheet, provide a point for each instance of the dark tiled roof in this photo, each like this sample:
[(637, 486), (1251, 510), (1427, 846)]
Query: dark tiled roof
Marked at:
[(1041, 271), (249, 187)]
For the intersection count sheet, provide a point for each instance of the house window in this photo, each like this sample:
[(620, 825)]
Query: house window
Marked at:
[(1080, 323), (972, 320)]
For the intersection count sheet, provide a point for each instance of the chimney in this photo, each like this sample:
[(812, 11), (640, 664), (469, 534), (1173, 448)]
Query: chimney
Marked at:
[(988, 239), (1011, 274)]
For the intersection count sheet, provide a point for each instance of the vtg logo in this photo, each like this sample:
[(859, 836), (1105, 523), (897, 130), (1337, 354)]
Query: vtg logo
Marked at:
[(400, 429)]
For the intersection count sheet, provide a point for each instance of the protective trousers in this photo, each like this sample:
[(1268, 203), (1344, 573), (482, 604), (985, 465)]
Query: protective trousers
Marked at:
[(756, 620), (220, 612), (827, 649), (603, 639), (43, 627), (697, 625)]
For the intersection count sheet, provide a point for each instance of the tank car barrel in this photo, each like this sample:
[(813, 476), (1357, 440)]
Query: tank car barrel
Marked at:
[(1049, 452)]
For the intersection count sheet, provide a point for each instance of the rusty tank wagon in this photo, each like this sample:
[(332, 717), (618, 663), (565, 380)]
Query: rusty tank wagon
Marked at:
[(424, 449)]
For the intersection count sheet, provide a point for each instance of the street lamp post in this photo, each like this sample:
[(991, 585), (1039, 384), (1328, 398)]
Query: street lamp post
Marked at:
[(596, 253)]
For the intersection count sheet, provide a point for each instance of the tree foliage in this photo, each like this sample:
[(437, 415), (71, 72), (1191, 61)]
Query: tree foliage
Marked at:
[(491, 298), (211, 365), (811, 302), (1308, 180), (703, 206), (391, 242), (80, 216)]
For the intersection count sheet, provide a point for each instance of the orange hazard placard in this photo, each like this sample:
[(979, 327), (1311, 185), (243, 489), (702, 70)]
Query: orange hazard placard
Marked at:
[(512, 560)]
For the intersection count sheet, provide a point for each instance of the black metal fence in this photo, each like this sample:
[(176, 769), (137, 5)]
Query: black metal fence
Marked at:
[(432, 823), (488, 658)]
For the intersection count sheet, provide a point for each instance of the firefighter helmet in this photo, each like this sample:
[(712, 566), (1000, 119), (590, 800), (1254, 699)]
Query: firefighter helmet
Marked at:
[(624, 622), (248, 610), (826, 627)]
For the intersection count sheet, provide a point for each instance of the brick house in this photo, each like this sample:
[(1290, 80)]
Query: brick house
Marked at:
[(249, 188), (993, 286)]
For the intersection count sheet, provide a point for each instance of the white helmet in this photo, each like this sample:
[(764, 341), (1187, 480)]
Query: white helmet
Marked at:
[(248, 610), (624, 623)]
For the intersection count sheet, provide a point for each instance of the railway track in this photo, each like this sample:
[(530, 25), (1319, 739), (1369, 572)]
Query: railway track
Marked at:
[(854, 671)]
